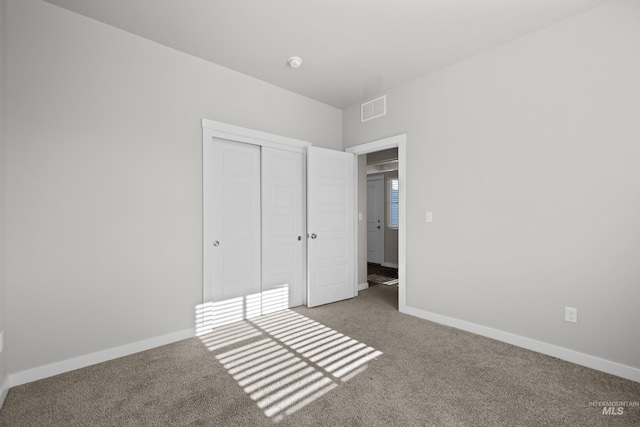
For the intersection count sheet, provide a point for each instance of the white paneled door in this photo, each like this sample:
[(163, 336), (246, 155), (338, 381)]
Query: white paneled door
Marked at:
[(375, 219), (330, 198), (283, 228), (231, 209)]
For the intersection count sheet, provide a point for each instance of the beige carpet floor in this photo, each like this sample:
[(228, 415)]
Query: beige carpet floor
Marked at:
[(353, 363)]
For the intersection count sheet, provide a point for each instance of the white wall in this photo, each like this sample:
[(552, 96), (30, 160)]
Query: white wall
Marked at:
[(528, 157), (3, 303), (104, 175)]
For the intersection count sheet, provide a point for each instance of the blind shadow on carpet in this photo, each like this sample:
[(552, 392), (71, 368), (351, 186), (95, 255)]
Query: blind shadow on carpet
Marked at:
[(284, 360)]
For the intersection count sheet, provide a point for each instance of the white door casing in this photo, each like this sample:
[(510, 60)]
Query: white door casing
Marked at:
[(284, 240), (375, 219), (330, 214), (399, 141), (231, 226)]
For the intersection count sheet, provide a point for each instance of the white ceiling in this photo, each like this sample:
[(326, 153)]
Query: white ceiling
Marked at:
[(352, 49)]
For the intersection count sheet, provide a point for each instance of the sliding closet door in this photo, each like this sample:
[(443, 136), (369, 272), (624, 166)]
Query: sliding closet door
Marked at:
[(232, 228), (283, 230)]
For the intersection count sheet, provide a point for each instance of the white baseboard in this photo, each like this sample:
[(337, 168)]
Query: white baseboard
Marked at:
[(63, 366), (389, 264), (363, 286), (4, 389), (572, 356)]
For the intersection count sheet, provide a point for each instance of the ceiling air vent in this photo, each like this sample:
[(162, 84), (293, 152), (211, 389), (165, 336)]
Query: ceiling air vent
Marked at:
[(374, 108)]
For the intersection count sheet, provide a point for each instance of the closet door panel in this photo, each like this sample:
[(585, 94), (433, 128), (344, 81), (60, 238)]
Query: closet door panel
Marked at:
[(283, 229), (232, 227)]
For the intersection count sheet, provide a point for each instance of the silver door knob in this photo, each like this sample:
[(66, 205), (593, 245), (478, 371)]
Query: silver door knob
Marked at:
[(314, 235), (216, 244)]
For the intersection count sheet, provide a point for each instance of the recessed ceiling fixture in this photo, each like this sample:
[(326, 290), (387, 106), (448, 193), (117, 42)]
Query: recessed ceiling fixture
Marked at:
[(295, 62)]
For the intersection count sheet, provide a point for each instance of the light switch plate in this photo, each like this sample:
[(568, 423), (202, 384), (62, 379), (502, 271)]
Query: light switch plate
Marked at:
[(429, 216)]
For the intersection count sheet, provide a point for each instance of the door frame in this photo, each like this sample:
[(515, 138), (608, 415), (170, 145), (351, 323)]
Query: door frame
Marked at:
[(211, 128), (400, 142), (383, 226)]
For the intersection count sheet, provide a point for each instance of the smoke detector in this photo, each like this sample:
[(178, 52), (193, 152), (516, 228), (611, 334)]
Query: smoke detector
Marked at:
[(295, 62)]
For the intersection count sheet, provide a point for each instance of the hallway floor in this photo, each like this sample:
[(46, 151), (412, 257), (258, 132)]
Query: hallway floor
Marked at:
[(377, 274)]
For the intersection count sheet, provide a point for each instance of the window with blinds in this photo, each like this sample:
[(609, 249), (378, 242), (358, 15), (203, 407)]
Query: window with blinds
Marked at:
[(392, 192)]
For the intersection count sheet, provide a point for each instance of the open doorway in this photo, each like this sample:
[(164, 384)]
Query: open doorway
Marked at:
[(382, 217), (395, 142)]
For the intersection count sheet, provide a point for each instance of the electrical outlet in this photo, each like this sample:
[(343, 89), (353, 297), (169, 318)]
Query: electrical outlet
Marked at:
[(571, 314)]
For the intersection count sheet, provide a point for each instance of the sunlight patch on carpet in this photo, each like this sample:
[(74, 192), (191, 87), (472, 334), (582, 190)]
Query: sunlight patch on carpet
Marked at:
[(288, 360)]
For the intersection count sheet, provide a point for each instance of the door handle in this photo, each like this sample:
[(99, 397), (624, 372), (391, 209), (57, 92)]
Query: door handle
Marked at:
[(216, 244), (299, 238), (314, 235)]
